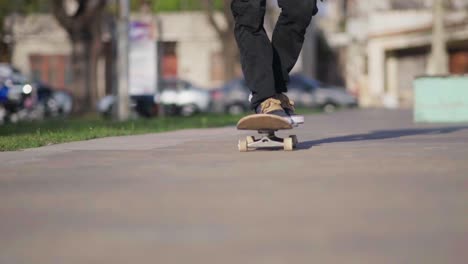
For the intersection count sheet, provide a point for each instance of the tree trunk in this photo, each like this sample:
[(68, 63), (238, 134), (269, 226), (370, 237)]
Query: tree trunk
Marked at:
[(225, 35), (95, 53), (79, 63), (84, 31), (84, 60)]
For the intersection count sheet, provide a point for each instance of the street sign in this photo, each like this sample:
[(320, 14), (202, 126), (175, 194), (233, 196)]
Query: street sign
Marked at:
[(143, 59)]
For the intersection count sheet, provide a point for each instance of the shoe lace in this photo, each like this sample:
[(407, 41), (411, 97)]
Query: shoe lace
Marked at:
[(269, 103)]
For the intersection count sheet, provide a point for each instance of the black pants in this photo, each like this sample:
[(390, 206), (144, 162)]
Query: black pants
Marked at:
[(266, 64)]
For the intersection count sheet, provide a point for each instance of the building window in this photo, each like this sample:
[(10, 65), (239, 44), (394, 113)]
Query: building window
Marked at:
[(169, 61), (36, 64), (52, 70), (459, 62)]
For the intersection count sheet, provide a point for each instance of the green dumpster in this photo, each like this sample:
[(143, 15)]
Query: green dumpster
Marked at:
[(441, 99)]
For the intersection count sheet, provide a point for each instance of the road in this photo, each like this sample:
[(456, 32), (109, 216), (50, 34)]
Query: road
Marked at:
[(365, 186)]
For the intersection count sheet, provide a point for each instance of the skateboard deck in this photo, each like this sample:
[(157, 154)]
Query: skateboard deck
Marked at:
[(263, 122), (266, 125)]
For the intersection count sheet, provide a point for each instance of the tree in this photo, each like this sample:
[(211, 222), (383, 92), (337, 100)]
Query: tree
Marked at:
[(82, 19), (225, 34)]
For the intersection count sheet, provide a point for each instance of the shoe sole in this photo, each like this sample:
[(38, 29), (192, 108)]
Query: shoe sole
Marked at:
[(297, 119)]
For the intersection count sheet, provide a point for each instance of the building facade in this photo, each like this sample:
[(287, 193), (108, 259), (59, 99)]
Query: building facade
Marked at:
[(190, 50), (386, 44)]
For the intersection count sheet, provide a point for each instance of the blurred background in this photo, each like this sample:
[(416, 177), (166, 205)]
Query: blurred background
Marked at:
[(60, 58)]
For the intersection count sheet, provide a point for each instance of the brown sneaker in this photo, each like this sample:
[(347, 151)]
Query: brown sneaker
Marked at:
[(288, 106), (272, 106), (269, 106)]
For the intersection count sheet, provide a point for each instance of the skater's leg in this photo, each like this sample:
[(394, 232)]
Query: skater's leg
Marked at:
[(255, 48), (288, 37)]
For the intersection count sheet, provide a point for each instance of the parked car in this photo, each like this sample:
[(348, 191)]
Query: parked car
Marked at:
[(143, 106), (232, 98), (178, 97), (18, 100), (306, 92), (56, 103), (182, 97)]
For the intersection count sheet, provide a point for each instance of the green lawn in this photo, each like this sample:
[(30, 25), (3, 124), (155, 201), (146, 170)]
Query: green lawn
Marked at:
[(35, 134)]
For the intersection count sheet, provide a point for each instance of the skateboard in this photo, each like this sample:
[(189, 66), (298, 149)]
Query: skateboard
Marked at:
[(266, 125)]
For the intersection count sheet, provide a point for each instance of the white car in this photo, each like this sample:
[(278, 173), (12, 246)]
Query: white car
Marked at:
[(184, 97), (176, 96)]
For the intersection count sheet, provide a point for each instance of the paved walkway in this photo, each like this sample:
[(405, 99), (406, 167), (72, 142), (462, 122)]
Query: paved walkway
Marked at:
[(365, 187)]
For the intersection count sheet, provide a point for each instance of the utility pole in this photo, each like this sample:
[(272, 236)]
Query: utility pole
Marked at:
[(438, 59), (123, 101), (159, 64)]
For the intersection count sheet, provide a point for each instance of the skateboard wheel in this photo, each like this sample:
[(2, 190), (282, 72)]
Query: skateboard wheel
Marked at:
[(250, 139), (243, 146), (295, 140), (288, 144)]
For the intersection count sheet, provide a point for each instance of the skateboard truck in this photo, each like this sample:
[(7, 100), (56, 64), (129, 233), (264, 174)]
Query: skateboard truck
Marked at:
[(268, 139)]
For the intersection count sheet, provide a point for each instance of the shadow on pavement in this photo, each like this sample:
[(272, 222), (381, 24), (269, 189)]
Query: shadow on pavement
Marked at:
[(379, 134)]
